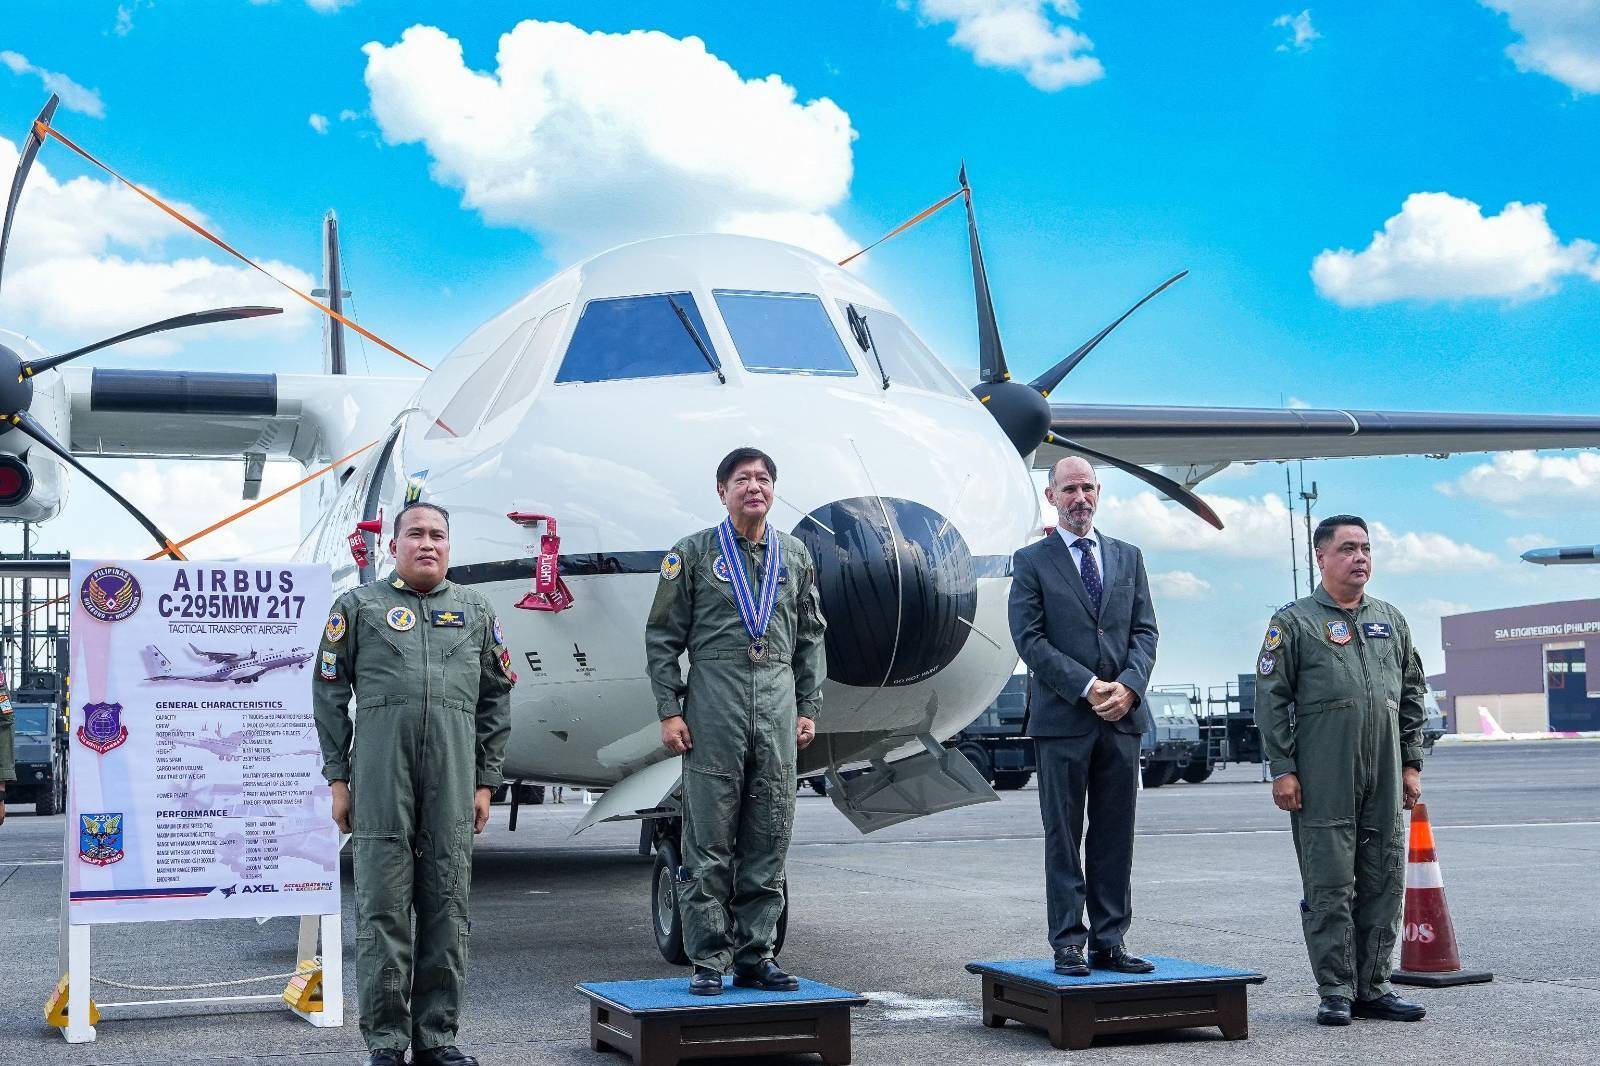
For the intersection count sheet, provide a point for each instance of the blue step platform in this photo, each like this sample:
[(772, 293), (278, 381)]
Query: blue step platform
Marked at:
[(1179, 994), (660, 1022)]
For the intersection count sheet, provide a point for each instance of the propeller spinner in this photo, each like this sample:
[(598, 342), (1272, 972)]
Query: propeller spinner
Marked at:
[(1023, 411)]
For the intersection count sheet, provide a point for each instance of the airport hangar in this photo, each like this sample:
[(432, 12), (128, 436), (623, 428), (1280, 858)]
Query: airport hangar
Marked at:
[(1527, 665)]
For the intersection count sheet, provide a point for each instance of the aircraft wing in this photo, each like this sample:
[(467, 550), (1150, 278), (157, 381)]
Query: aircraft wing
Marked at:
[(1202, 436)]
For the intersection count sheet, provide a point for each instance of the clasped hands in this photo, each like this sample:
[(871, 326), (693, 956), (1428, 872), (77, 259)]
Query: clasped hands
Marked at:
[(1111, 700), (675, 733)]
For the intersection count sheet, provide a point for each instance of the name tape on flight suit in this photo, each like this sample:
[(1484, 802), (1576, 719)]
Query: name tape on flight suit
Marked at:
[(1377, 629)]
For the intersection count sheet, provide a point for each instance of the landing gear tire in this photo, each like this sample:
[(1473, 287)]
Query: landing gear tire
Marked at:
[(665, 920), (1196, 772), (1011, 780)]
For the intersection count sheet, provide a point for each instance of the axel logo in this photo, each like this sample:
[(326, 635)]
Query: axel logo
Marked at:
[(259, 888), (1420, 933)]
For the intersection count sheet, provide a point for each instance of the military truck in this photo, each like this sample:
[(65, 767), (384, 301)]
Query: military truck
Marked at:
[(1173, 741), (41, 739), (994, 742)]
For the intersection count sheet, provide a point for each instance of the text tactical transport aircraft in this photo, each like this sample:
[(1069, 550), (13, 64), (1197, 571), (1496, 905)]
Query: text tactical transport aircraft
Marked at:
[(602, 400)]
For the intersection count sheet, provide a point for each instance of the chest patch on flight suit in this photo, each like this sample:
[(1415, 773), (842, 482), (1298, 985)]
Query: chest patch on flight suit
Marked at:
[(1377, 629), (1266, 664), (334, 630), (1339, 631), (401, 619), (783, 576), (449, 619), (328, 669), (719, 567), (1273, 639)]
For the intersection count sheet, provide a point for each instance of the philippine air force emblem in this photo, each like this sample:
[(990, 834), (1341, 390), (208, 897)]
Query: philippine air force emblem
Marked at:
[(110, 594)]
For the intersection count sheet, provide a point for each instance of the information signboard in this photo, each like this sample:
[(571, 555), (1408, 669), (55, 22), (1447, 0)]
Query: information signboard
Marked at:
[(196, 785)]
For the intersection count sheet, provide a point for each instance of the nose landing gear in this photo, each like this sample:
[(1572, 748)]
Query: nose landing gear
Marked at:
[(665, 835)]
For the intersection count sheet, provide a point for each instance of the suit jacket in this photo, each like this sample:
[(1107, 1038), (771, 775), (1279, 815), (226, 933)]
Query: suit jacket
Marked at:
[(1066, 643)]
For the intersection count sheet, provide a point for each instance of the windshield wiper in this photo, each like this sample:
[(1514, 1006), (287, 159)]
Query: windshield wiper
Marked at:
[(863, 335), (694, 335)]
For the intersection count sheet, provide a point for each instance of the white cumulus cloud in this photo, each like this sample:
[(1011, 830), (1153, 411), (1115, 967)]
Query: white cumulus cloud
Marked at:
[(318, 122), (1301, 32), (1560, 38), (89, 258), (592, 139), (1524, 541), (1178, 585), (1442, 247), (1512, 481), (74, 97), (1424, 553), (1021, 35)]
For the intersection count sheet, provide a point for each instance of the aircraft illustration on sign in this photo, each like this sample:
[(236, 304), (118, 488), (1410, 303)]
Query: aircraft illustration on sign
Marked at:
[(240, 669), (604, 398)]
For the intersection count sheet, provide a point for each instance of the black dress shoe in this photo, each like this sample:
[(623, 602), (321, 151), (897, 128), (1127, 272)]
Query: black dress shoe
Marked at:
[(1069, 961), (767, 976), (1119, 960), (705, 982), (1333, 1010), (1389, 1008), (448, 1055), (387, 1057)]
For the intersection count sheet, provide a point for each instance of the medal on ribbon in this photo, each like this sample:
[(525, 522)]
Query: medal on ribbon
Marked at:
[(756, 614)]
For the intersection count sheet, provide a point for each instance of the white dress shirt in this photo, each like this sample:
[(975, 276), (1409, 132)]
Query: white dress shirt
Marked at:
[(1071, 540)]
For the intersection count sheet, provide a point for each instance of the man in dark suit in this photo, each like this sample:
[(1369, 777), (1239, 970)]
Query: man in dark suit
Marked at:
[(1082, 622)]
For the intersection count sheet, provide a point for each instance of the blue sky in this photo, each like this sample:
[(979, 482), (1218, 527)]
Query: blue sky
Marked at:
[(1109, 146)]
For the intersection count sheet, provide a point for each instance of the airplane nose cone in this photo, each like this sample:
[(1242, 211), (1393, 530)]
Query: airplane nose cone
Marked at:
[(898, 587)]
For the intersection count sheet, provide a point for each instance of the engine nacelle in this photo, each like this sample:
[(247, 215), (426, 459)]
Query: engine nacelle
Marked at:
[(33, 482)]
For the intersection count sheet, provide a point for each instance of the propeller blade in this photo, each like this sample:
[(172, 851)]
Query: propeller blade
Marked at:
[(991, 357), (1047, 381), (197, 318), (30, 148), (25, 422), (1149, 477)]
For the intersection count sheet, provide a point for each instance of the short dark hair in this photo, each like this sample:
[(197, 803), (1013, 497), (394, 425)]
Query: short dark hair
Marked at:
[(1325, 528), (416, 504), (738, 457)]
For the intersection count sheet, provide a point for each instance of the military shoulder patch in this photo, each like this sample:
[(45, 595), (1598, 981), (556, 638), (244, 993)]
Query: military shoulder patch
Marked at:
[(334, 630), (1338, 631), (671, 566), (328, 669), (1266, 664), (505, 666), (1273, 640)]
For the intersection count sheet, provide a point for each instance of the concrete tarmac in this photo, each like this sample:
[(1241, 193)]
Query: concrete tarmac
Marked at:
[(897, 914)]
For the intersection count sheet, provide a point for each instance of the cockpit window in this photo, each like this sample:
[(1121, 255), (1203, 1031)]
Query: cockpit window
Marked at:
[(635, 337), (530, 365), (906, 360), (460, 415), (783, 333)]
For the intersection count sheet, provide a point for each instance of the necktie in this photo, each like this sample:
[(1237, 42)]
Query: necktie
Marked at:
[(1089, 570)]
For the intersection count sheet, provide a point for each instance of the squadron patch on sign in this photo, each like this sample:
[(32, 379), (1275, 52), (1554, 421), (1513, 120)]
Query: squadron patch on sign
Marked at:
[(1339, 631), (1273, 640), (671, 566), (328, 669), (449, 619), (1266, 664), (100, 838), (1382, 630), (719, 567), (334, 630), (401, 619)]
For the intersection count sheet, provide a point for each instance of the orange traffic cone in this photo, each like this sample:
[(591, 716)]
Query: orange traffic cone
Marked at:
[(1428, 955)]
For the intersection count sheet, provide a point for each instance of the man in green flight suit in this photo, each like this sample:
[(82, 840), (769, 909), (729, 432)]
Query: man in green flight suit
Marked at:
[(1339, 701), (412, 780), (8, 744), (741, 598)]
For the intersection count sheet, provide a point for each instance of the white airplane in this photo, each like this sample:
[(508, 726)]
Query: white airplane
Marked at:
[(604, 398), (239, 669)]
